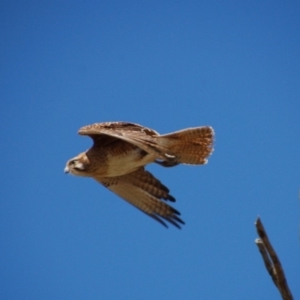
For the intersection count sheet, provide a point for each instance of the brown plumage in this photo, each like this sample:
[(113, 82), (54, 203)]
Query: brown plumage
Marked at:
[(120, 152)]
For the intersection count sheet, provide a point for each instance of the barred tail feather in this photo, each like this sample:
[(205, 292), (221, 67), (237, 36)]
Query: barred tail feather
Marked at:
[(189, 146)]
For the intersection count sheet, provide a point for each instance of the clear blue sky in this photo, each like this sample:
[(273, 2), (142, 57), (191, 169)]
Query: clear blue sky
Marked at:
[(166, 65)]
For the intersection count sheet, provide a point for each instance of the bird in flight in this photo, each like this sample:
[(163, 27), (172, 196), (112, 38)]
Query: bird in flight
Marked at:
[(120, 152)]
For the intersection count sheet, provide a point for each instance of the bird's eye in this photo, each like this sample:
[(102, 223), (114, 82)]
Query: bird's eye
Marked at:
[(76, 165)]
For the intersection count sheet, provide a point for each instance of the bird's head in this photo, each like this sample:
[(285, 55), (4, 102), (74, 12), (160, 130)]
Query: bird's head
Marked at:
[(78, 165)]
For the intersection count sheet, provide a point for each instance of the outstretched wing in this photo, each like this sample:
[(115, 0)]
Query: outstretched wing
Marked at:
[(140, 136), (141, 189)]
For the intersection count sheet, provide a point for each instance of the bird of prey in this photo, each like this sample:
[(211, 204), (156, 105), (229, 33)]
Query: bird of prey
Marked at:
[(120, 152)]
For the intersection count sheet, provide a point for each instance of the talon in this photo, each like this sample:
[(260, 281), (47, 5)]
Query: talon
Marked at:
[(167, 163)]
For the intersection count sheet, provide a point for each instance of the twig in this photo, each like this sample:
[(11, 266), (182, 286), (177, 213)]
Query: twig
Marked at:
[(271, 261)]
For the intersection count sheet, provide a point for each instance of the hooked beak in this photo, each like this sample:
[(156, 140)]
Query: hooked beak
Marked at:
[(66, 170)]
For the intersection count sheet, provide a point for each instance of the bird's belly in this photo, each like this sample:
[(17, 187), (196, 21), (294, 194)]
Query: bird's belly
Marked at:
[(127, 162)]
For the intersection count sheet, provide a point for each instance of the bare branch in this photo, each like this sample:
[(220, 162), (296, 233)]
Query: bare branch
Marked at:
[(271, 261)]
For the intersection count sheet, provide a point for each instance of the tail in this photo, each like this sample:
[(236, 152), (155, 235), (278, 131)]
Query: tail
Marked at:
[(188, 146)]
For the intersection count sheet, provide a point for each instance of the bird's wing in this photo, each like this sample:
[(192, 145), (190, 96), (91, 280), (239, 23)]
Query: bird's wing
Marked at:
[(141, 189), (142, 137)]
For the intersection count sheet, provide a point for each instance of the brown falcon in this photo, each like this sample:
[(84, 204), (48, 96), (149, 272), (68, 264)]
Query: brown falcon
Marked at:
[(120, 152)]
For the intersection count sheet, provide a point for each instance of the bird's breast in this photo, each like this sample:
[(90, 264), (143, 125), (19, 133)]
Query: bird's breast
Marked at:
[(127, 162)]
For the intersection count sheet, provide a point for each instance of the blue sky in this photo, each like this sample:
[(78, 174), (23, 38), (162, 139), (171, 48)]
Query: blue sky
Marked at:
[(167, 65)]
